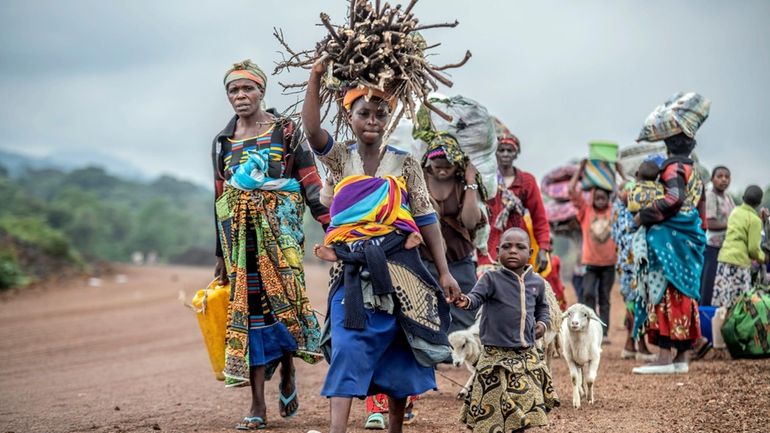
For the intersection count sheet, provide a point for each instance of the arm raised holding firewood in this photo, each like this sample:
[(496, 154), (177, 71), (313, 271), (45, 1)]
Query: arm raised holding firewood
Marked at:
[(387, 315)]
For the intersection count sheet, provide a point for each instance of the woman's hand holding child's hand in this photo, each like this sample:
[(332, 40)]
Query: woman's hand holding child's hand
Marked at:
[(539, 330), (451, 288), (462, 302)]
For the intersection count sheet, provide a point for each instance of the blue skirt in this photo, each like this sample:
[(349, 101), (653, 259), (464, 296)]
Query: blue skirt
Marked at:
[(269, 343), (373, 360)]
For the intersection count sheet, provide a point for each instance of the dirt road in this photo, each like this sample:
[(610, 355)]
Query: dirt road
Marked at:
[(128, 357)]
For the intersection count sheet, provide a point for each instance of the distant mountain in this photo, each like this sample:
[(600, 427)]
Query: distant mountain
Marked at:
[(17, 163)]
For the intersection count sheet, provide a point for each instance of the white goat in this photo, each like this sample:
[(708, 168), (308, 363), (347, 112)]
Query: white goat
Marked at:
[(466, 349), (581, 342)]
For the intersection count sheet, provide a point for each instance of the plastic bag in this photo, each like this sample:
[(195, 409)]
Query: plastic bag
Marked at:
[(210, 306), (474, 131)]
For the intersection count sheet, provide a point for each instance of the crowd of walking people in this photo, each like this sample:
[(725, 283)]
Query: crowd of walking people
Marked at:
[(403, 234)]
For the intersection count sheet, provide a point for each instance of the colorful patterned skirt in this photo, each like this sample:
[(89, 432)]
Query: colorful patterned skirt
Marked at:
[(730, 282), (674, 321), (512, 390), (269, 313)]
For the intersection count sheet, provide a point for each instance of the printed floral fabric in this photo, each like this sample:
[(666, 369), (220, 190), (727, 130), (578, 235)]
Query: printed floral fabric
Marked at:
[(274, 220), (731, 281), (675, 317)]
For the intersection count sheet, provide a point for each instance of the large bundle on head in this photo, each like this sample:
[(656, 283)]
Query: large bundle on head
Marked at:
[(380, 48), (682, 113), (471, 125)]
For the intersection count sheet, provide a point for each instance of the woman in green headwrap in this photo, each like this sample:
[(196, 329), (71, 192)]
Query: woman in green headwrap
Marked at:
[(456, 191), (263, 179)]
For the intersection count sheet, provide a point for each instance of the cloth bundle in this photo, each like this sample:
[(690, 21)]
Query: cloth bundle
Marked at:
[(366, 206), (252, 175), (555, 184), (746, 330), (682, 113), (561, 213)]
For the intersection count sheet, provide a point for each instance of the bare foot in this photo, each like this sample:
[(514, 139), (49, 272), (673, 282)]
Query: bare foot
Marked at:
[(325, 253), (412, 241)]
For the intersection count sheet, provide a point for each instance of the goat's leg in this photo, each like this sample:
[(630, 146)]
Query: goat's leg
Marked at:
[(577, 382), (593, 368), (466, 390)]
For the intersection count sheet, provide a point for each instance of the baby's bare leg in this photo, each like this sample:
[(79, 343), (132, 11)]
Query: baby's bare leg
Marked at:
[(325, 253), (413, 241)]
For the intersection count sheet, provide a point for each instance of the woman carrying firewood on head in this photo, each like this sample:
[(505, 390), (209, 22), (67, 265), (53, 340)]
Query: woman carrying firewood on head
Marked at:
[(381, 290), (387, 317)]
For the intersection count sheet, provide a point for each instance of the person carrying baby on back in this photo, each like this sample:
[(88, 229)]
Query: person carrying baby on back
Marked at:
[(515, 314), (647, 188)]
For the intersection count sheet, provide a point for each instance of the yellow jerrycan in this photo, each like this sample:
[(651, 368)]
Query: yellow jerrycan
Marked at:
[(210, 306)]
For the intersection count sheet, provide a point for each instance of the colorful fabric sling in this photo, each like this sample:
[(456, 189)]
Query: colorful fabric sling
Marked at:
[(365, 207)]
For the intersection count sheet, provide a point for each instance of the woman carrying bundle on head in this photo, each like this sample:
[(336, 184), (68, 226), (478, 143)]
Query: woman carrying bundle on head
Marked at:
[(672, 240), (263, 179), (455, 188), (380, 290)]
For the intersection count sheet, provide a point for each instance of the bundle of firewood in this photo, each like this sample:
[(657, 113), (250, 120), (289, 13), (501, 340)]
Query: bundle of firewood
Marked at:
[(379, 47)]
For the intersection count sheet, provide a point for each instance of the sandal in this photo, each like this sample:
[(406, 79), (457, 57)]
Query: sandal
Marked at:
[(375, 421), (703, 351), (252, 423), (284, 401), (410, 417)]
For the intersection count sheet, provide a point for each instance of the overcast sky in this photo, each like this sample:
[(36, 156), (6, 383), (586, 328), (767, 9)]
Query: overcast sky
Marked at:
[(142, 80)]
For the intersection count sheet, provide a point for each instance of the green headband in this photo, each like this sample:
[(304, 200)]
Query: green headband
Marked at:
[(246, 70)]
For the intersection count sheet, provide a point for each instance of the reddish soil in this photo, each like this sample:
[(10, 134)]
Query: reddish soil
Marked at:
[(128, 357)]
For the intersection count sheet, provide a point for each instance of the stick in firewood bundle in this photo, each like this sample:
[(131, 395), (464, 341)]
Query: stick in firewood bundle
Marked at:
[(379, 47)]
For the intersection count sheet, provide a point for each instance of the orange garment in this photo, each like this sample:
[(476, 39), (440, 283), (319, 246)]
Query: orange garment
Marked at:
[(598, 245)]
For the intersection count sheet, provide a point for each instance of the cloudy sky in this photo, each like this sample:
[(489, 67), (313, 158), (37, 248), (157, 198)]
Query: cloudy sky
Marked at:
[(141, 80)]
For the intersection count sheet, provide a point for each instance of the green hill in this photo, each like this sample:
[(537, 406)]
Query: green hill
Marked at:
[(51, 219)]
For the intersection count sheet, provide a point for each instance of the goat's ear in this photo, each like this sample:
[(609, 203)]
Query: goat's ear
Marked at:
[(595, 317)]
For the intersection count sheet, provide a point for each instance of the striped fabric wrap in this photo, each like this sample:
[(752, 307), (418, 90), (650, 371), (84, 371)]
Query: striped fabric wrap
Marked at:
[(365, 207), (599, 174)]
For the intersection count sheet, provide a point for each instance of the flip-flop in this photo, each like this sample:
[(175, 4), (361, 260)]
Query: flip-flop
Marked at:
[(703, 351), (410, 417), (252, 423), (284, 401), (375, 421)]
